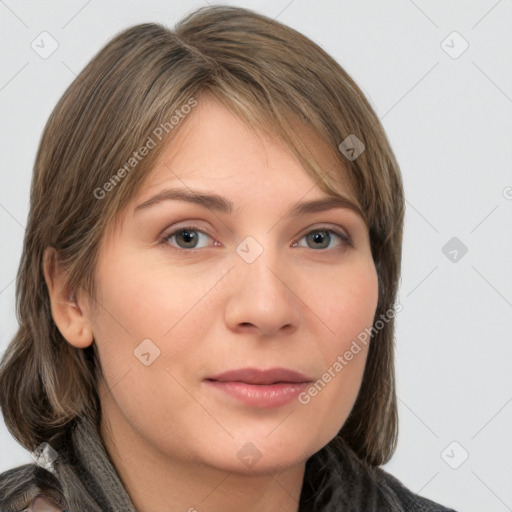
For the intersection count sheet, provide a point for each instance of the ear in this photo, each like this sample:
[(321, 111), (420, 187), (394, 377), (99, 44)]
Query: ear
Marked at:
[(70, 310)]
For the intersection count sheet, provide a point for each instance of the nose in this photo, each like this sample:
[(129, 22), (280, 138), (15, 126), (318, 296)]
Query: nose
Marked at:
[(263, 297)]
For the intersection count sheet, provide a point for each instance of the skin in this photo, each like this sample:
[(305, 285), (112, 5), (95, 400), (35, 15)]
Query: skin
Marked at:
[(174, 440)]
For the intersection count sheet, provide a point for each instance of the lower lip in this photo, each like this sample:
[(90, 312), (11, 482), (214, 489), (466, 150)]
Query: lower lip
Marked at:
[(260, 395)]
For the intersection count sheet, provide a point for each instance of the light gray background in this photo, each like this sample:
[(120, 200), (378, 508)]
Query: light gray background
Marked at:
[(449, 123)]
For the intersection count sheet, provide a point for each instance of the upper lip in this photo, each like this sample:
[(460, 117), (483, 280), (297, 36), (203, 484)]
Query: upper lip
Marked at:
[(257, 376)]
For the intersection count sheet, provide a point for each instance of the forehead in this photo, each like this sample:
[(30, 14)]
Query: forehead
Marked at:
[(217, 149)]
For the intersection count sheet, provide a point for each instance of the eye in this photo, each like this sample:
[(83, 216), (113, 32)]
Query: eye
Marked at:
[(321, 237), (187, 237)]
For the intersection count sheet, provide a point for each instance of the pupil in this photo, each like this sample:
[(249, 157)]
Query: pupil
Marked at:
[(319, 235), (188, 236)]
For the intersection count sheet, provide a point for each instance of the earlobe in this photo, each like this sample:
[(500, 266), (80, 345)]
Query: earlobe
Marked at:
[(70, 310)]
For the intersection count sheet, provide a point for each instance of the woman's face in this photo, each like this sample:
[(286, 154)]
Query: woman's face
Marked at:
[(189, 291)]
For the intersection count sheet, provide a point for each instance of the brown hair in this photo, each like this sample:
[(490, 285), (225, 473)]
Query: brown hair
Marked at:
[(268, 74)]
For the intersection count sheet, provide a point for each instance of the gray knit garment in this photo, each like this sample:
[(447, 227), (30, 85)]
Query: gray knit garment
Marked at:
[(85, 480), (82, 477)]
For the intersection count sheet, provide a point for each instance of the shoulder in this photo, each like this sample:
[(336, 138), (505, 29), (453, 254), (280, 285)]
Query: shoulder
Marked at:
[(19, 485), (395, 493)]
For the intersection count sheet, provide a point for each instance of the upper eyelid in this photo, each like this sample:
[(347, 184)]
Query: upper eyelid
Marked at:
[(319, 226)]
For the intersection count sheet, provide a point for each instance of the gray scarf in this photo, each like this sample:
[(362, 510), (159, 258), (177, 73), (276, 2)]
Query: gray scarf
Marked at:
[(88, 464), (83, 479)]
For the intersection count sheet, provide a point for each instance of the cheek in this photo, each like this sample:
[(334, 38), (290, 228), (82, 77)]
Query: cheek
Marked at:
[(140, 300), (352, 300), (352, 304)]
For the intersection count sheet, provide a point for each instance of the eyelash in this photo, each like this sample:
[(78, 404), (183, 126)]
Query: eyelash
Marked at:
[(346, 240)]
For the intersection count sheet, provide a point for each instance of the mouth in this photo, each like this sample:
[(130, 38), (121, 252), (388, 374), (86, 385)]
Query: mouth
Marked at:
[(262, 377), (259, 388)]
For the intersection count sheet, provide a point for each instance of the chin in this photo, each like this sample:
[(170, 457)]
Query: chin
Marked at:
[(260, 455)]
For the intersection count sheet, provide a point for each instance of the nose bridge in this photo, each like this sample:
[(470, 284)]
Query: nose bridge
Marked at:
[(261, 293), (261, 265)]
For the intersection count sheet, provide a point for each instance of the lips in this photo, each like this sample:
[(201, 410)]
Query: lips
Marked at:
[(252, 387), (261, 377)]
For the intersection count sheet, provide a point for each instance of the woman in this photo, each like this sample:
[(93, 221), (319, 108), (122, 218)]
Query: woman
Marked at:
[(206, 293)]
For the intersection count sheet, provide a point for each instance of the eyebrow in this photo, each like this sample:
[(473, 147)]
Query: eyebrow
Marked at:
[(218, 203)]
